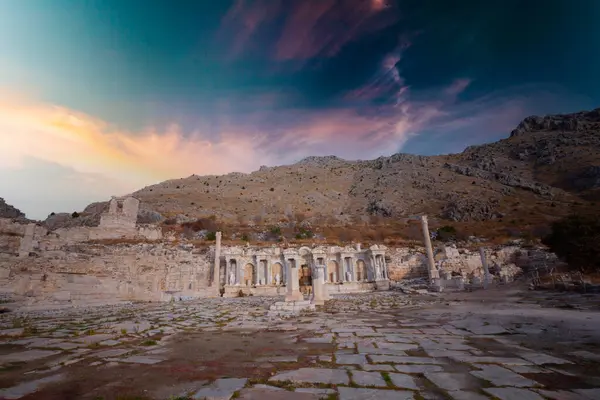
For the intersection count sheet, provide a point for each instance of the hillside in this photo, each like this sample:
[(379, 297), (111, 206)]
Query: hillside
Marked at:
[(547, 166)]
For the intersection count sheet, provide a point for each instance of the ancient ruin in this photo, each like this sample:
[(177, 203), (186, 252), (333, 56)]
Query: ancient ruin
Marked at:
[(122, 260), (264, 271)]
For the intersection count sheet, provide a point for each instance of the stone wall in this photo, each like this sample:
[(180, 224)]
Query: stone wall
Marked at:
[(93, 273)]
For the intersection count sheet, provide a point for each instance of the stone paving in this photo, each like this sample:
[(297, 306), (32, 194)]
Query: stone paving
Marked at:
[(372, 346)]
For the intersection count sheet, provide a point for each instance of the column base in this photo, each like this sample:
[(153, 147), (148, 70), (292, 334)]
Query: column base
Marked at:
[(294, 296)]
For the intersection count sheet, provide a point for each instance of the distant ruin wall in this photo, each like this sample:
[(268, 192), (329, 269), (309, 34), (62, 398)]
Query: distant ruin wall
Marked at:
[(91, 273)]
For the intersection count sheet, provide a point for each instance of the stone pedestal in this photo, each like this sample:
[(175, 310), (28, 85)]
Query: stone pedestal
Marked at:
[(319, 289), (293, 286), (382, 285)]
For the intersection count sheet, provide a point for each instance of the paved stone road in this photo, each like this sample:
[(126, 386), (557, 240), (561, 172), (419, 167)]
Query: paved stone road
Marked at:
[(375, 346)]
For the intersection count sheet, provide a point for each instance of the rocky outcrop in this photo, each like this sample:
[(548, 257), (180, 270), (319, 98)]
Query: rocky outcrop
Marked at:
[(8, 211), (470, 209), (568, 122)]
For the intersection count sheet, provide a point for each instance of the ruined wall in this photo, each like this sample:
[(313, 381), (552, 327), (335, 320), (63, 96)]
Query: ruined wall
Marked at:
[(94, 273)]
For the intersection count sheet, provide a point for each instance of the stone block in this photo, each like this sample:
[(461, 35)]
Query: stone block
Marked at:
[(314, 375)]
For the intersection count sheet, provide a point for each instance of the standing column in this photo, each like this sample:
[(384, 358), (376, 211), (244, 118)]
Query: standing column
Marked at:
[(269, 271), (486, 272), (293, 285), (385, 267), (354, 269), (433, 274), (217, 266), (239, 273)]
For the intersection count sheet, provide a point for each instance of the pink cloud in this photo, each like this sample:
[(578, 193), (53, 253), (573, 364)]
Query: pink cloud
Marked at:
[(457, 87), (310, 28)]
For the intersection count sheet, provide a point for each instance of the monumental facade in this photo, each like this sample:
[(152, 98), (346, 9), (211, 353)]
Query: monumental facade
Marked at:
[(265, 271)]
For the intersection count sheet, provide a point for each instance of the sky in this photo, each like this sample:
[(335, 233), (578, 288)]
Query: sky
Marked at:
[(101, 98)]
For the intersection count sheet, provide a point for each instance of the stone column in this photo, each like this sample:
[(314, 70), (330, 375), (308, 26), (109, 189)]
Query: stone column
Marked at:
[(293, 286), (486, 272), (319, 289), (217, 267), (385, 267), (433, 274), (239, 273), (354, 269)]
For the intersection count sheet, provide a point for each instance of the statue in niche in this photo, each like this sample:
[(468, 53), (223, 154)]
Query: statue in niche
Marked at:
[(378, 272), (232, 279), (348, 276), (277, 279)]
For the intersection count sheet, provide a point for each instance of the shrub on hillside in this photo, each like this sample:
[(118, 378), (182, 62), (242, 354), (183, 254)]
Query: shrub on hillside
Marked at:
[(201, 224), (445, 233), (211, 236), (576, 240)]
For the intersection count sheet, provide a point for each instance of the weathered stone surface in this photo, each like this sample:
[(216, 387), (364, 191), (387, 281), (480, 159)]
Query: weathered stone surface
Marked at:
[(23, 389), (314, 375), (263, 393), (541, 359), (589, 393), (350, 359), (403, 381), (28, 355), (373, 394), (140, 360), (503, 377), (221, 389), (464, 395), (362, 378), (513, 394), (450, 381), (417, 368), (404, 360)]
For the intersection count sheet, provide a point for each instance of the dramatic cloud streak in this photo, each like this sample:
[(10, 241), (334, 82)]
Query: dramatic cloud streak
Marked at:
[(309, 29)]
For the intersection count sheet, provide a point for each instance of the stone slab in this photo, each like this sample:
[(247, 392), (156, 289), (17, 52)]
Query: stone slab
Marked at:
[(362, 378), (464, 395), (377, 367), (347, 393), (111, 353), (513, 394), (140, 360), (541, 359), (450, 381), (397, 346), (322, 393), (28, 355), (405, 360), (23, 389), (490, 360), (263, 393), (350, 359), (403, 381), (562, 395), (417, 368), (314, 375), (503, 377), (221, 389), (592, 394)]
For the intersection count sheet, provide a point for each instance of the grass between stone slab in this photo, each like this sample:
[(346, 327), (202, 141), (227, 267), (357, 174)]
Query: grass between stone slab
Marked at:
[(387, 379)]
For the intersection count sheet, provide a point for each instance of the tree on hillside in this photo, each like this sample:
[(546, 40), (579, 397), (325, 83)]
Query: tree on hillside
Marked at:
[(576, 240)]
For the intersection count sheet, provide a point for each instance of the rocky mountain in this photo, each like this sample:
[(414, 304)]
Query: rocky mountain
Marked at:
[(547, 166), (8, 211)]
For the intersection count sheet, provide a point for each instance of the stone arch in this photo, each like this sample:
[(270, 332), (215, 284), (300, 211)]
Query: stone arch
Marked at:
[(361, 270), (249, 273), (277, 268), (333, 269)]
